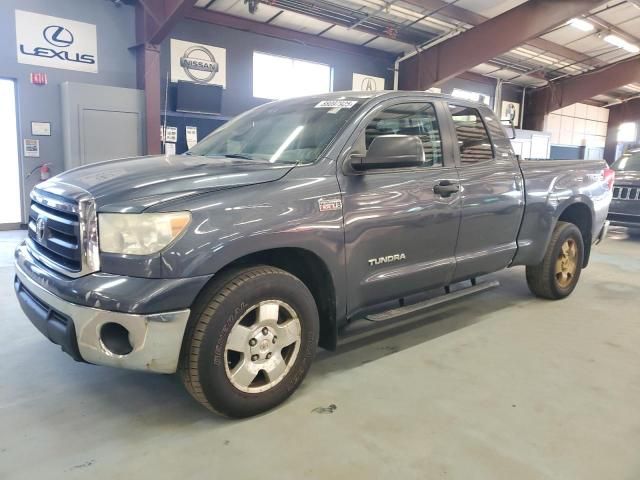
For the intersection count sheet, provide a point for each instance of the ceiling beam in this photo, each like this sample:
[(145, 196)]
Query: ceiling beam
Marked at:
[(577, 88), (239, 23), (361, 22), (160, 17), (614, 29), (487, 40), (474, 19)]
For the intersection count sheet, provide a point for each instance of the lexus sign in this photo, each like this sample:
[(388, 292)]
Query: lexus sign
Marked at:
[(56, 42)]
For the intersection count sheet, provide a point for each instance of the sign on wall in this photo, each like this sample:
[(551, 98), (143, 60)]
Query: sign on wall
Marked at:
[(511, 111), (367, 83), (56, 42), (195, 62)]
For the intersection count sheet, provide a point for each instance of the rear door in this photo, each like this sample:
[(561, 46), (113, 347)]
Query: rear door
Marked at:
[(491, 193), (400, 236)]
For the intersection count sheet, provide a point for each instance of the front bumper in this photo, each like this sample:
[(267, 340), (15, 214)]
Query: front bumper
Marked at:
[(624, 220), (154, 339)]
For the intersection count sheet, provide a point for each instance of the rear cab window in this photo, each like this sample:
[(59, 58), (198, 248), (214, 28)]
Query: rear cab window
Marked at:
[(473, 139)]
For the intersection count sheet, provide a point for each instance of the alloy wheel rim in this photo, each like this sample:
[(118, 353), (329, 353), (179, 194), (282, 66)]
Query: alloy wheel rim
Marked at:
[(567, 263), (262, 346)]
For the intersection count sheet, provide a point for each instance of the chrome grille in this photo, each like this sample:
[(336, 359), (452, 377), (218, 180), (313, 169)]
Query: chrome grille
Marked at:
[(55, 234), (626, 193), (63, 233)]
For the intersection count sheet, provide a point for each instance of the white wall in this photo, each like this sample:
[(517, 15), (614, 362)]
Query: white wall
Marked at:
[(578, 125), (115, 29)]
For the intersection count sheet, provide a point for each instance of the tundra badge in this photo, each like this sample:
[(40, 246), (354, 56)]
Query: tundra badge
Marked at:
[(388, 259)]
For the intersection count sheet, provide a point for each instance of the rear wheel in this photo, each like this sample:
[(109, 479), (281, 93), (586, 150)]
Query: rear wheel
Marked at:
[(558, 273), (251, 342)]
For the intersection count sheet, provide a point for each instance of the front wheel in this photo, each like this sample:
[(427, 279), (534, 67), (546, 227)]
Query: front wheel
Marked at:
[(250, 342), (558, 273)]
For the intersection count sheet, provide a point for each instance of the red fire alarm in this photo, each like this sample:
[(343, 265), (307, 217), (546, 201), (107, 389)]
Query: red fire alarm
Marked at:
[(39, 78)]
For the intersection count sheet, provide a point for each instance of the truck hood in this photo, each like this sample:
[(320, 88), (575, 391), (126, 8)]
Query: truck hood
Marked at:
[(628, 177), (135, 184)]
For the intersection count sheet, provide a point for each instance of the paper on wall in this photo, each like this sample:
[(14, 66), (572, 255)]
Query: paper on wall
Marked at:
[(192, 136), (171, 134), (31, 147)]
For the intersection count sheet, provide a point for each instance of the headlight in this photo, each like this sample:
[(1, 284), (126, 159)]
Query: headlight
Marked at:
[(139, 233)]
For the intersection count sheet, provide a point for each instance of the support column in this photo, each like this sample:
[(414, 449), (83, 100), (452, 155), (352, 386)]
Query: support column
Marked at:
[(149, 80)]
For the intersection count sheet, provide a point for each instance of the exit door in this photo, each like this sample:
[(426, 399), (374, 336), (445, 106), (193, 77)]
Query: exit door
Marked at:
[(11, 211)]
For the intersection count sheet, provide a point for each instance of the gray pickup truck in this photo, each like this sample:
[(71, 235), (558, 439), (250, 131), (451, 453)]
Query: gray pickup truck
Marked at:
[(286, 227)]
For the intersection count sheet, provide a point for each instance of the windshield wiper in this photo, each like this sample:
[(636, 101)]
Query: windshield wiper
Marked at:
[(239, 155)]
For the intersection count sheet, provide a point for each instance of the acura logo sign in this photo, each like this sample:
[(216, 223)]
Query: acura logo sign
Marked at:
[(41, 225), (199, 64), (58, 36), (368, 84)]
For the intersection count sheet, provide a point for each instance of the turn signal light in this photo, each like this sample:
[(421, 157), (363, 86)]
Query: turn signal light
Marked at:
[(609, 175)]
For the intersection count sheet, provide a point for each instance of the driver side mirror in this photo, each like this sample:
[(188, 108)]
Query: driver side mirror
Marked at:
[(390, 151)]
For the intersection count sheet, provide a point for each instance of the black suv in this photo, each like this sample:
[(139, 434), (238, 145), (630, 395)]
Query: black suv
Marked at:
[(625, 206)]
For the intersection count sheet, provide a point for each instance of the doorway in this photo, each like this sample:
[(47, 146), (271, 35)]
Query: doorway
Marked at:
[(10, 199)]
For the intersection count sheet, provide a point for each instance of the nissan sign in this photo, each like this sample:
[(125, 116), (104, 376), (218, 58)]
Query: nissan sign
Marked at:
[(56, 42), (198, 63)]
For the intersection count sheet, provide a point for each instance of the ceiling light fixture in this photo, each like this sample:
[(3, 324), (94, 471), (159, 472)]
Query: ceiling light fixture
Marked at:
[(581, 24), (622, 43)]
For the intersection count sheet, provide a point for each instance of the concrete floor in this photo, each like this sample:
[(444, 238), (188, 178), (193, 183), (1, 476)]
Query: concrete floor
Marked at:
[(497, 386)]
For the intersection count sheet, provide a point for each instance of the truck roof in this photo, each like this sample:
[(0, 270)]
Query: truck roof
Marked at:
[(368, 95)]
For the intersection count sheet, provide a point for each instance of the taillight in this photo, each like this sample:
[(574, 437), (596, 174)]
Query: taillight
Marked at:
[(609, 175)]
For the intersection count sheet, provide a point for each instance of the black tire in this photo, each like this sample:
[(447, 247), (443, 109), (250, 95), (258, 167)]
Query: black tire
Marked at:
[(203, 364), (542, 278)]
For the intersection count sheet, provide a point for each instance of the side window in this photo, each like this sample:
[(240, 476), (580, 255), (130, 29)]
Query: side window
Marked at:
[(417, 119), (473, 139)]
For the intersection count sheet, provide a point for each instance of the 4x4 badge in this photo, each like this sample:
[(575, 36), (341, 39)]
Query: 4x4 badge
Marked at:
[(329, 205)]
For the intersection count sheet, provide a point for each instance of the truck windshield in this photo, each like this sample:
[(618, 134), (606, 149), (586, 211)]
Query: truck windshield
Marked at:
[(287, 132), (629, 162)]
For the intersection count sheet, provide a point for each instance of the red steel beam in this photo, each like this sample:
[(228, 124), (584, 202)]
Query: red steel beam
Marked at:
[(487, 40), (577, 88), (148, 78), (471, 18), (162, 16), (224, 20)]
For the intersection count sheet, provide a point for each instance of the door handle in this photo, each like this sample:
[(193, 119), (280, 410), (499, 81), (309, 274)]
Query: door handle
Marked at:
[(446, 188)]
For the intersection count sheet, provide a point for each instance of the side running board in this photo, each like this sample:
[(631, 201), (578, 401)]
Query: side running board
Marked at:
[(397, 317)]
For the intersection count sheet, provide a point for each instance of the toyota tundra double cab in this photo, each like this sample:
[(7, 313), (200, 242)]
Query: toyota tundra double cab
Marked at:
[(281, 230)]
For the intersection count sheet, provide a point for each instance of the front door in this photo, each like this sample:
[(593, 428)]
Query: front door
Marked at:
[(400, 235)]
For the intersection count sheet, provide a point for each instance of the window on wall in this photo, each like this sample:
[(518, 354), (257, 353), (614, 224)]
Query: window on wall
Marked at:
[(627, 132), (276, 77), (471, 96), (473, 138)]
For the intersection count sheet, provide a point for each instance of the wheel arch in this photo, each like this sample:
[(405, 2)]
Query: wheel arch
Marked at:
[(579, 214), (303, 264)]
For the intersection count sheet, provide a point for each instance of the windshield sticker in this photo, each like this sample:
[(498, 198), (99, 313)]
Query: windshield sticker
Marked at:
[(333, 104)]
